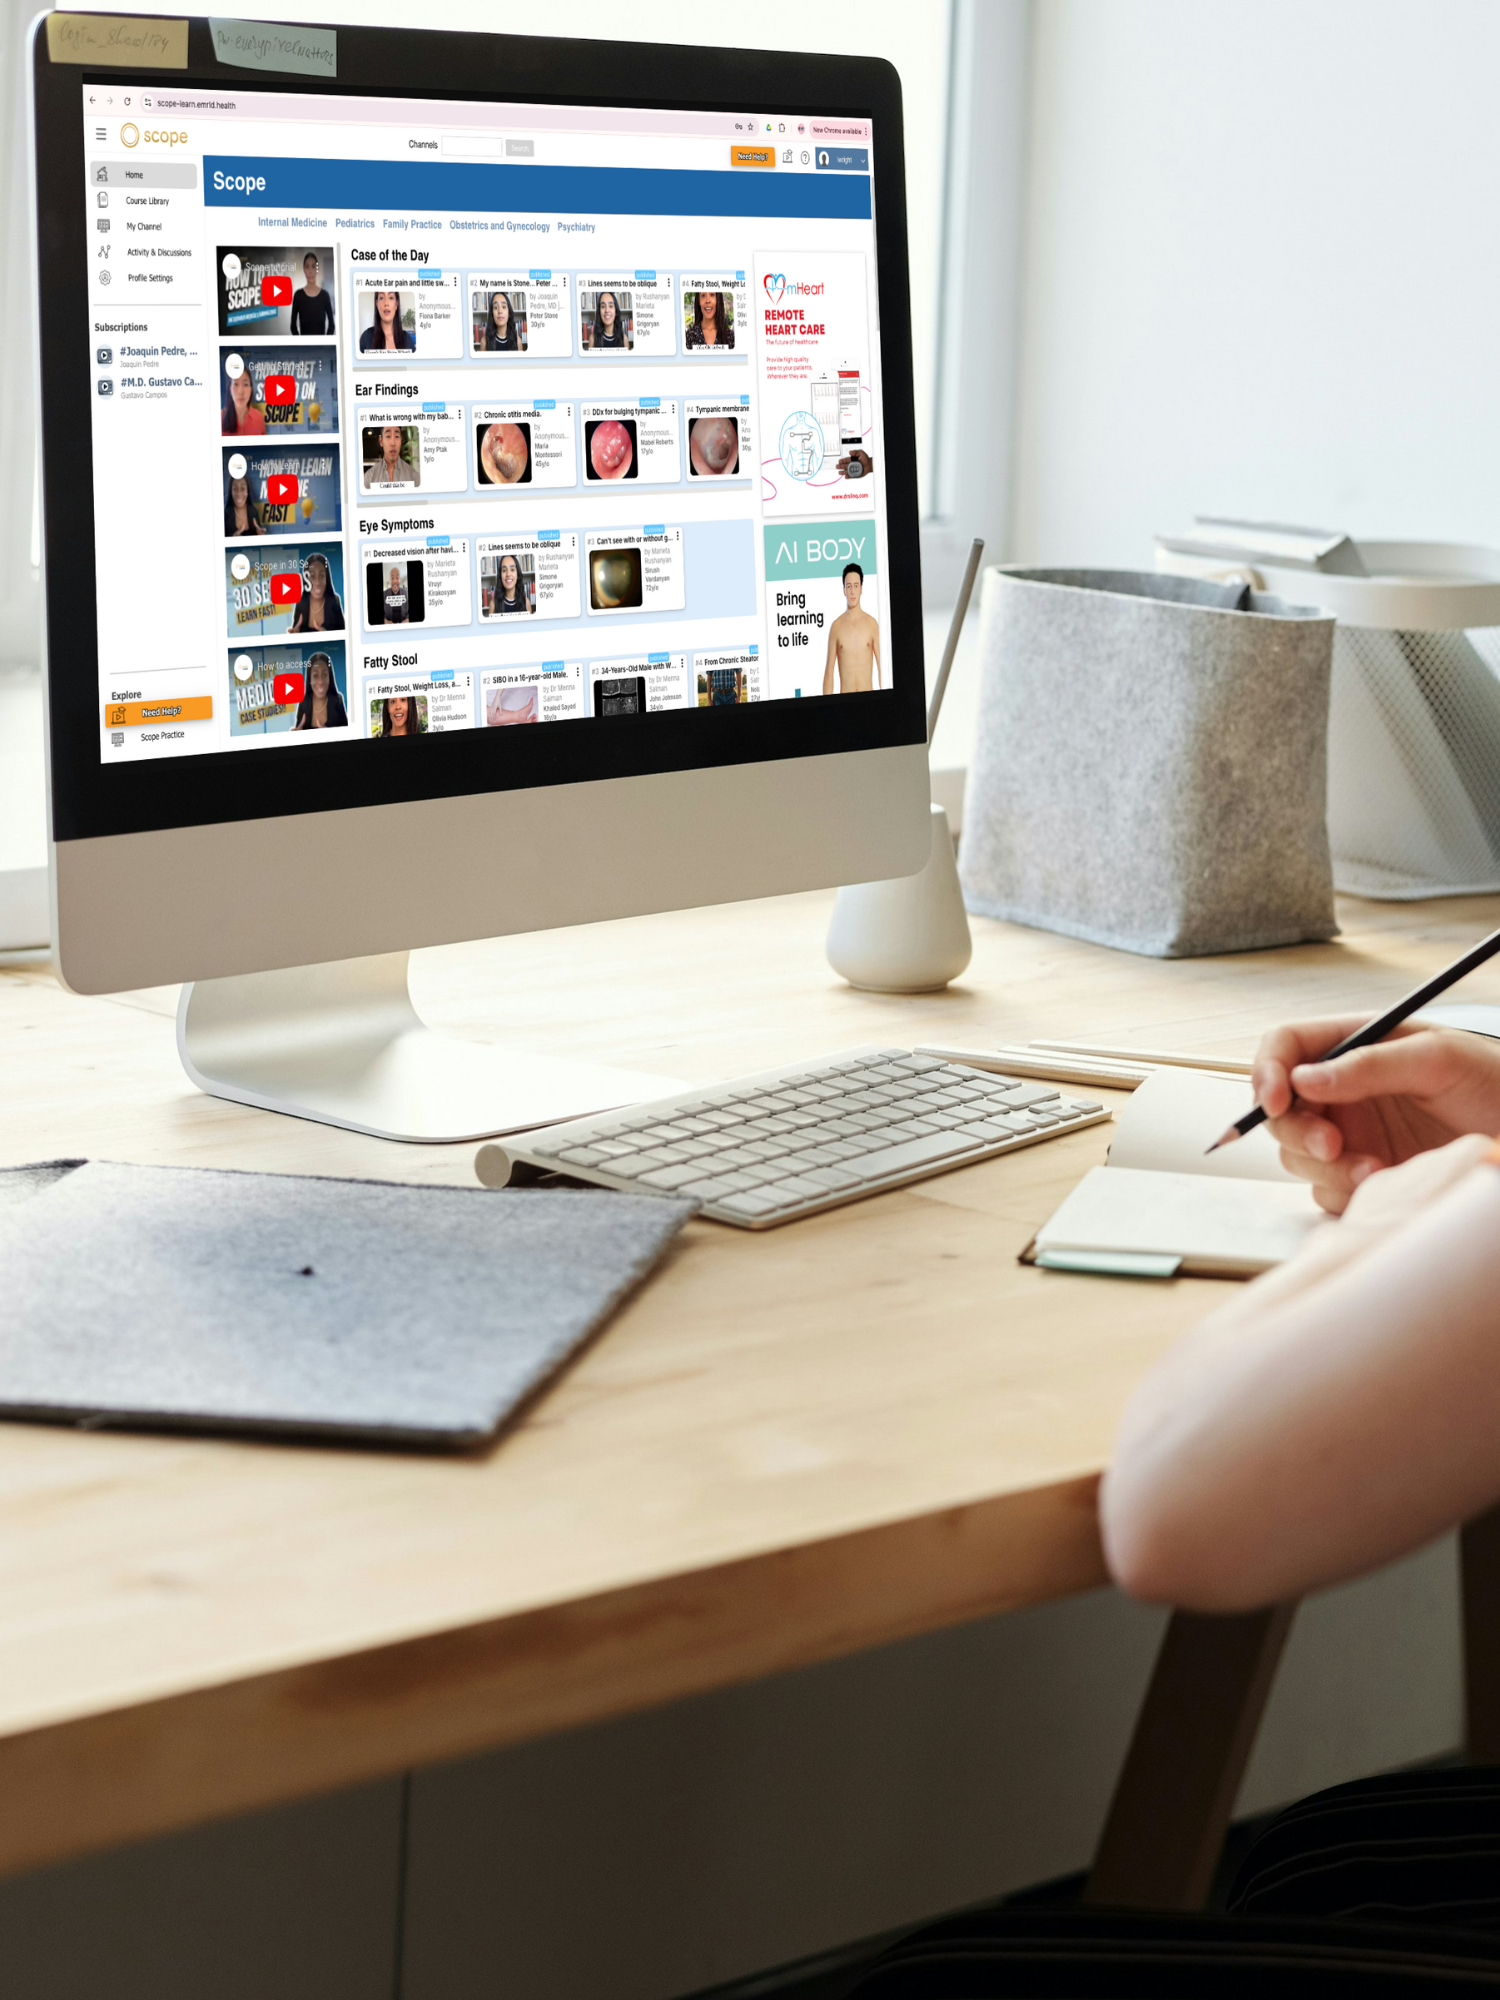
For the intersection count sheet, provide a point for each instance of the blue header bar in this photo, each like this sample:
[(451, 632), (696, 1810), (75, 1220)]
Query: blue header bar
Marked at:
[(467, 188)]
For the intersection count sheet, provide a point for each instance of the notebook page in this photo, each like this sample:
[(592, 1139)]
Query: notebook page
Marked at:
[(1213, 1225), (1177, 1113)]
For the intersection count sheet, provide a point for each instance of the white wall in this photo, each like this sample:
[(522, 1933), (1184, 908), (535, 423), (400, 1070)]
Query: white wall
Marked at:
[(1260, 274)]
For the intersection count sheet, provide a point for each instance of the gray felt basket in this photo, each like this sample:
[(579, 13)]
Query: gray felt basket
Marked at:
[(1151, 763)]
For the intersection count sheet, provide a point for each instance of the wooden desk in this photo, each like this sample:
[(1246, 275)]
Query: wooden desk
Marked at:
[(787, 1447)]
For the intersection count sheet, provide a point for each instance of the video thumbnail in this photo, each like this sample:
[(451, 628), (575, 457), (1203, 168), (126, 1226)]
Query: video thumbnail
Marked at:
[(610, 449), (606, 321), (707, 320), (615, 579), (499, 320), (272, 491), (521, 701), (277, 288), (398, 715), (503, 454), (390, 455), (264, 391), (278, 592), (507, 584), (388, 322), (284, 690), (395, 592), (714, 447)]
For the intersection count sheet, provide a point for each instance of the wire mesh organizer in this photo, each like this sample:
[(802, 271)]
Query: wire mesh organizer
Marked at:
[(1414, 717)]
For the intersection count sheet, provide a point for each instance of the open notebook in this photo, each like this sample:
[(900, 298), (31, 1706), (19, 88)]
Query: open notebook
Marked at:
[(1162, 1208)]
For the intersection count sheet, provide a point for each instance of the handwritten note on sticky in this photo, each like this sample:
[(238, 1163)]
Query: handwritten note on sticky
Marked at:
[(267, 45), (117, 41)]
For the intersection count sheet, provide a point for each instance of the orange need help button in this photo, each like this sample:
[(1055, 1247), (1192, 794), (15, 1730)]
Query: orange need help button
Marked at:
[(132, 714), (752, 156)]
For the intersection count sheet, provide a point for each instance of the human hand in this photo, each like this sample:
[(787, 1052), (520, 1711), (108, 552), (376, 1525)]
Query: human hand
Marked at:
[(1337, 1123)]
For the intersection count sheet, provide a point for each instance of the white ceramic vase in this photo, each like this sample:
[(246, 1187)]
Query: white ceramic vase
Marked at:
[(910, 935)]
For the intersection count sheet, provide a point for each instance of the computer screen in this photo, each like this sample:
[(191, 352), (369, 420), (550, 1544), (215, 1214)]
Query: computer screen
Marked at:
[(411, 417)]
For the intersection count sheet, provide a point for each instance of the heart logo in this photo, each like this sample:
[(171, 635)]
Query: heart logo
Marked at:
[(775, 284)]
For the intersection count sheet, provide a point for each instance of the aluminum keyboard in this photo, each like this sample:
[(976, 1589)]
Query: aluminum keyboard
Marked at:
[(763, 1150)]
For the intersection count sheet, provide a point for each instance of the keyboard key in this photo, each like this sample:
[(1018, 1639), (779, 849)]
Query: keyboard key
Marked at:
[(987, 1131), (576, 1156), (670, 1178), (748, 1204), (1031, 1093), (795, 1187), (834, 1179), (915, 1153), (709, 1190), (1082, 1110)]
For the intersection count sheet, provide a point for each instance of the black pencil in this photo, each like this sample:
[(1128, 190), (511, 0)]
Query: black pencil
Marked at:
[(1381, 1026)]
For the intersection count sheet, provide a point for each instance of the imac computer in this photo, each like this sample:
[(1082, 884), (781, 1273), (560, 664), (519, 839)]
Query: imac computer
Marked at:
[(542, 408)]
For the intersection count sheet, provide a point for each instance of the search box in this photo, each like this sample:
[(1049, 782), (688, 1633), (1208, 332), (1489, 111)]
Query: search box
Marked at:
[(486, 146)]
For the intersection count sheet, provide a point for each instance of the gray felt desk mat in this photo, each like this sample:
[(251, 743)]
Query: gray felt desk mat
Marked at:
[(188, 1299)]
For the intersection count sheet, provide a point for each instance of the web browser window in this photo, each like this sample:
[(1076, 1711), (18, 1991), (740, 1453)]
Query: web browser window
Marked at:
[(469, 416)]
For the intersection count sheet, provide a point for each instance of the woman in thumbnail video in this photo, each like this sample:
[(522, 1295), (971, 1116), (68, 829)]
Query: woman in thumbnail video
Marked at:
[(397, 599), (709, 327), (609, 328), (312, 307), (500, 333), (322, 707), (511, 596), (319, 609), (385, 329), (240, 517), (399, 717), (239, 417)]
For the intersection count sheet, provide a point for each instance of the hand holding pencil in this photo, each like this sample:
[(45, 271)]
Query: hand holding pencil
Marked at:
[(1339, 1122), (1432, 1085)]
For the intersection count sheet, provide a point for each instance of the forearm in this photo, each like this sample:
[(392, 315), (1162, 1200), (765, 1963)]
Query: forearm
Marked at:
[(1277, 1450)]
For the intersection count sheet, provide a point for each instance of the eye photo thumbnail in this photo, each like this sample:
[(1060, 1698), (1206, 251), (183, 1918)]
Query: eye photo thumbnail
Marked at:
[(615, 579)]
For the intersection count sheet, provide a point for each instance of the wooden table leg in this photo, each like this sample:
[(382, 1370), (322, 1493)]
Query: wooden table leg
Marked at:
[(1193, 1738), (1479, 1565)]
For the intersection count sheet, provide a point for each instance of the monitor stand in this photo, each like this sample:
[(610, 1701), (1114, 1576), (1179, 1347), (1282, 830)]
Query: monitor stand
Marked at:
[(343, 1044)]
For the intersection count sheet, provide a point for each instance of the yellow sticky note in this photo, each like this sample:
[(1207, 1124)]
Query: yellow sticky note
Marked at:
[(117, 41)]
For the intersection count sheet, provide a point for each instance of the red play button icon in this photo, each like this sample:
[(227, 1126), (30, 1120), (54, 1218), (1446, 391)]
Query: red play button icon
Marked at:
[(287, 688), (281, 388), (276, 291), (282, 489), (286, 588)]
